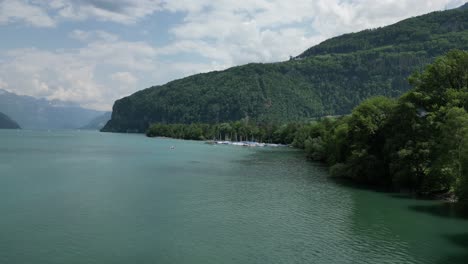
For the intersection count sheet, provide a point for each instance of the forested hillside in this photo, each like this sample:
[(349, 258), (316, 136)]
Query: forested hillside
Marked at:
[(418, 142), (432, 33), (328, 79)]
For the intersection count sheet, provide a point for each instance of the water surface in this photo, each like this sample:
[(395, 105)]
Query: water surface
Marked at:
[(88, 197)]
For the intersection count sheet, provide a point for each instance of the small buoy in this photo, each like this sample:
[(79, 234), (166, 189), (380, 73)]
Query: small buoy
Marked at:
[(172, 147)]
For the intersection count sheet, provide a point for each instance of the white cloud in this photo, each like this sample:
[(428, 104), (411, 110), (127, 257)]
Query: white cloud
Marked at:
[(3, 84), (73, 75), (86, 36), (120, 11), (124, 81), (21, 11), (124, 77), (223, 32), (343, 15), (54, 75), (103, 70), (48, 13), (236, 33)]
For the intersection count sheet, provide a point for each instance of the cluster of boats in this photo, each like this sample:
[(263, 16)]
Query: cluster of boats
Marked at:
[(245, 144)]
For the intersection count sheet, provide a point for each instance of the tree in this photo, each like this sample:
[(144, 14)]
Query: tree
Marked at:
[(367, 128), (451, 162)]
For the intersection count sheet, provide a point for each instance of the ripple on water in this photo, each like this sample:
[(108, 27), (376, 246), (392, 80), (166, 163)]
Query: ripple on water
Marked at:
[(105, 198)]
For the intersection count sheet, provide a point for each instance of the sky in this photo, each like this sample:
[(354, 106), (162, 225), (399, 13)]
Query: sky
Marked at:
[(92, 52)]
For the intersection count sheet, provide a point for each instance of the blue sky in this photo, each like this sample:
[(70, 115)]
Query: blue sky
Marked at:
[(93, 52)]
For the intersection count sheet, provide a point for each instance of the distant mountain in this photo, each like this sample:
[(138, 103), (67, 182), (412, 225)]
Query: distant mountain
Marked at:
[(33, 113), (99, 122), (7, 123), (328, 79), (464, 7)]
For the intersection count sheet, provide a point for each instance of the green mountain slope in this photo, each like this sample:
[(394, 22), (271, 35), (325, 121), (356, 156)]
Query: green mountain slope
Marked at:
[(432, 33), (7, 123), (328, 79)]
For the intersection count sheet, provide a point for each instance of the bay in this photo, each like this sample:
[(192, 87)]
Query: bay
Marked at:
[(89, 197)]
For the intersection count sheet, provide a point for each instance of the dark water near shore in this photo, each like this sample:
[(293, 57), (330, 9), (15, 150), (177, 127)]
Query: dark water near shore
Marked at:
[(88, 197)]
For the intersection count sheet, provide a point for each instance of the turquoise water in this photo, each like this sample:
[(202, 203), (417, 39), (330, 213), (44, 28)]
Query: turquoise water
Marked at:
[(88, 197)]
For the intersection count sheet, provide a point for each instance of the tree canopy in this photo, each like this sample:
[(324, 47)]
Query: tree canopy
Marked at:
[(418, 142), (328, 79)]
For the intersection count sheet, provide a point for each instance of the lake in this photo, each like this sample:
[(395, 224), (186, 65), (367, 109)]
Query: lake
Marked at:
[(89, 197)]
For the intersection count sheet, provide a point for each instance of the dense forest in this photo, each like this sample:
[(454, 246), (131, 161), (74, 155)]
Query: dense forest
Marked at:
[(432, 33), (7, 123), (418, 142), (242, 130), (328, 79)]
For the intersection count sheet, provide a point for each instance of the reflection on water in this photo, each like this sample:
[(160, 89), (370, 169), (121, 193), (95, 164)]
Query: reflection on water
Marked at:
[(83, 197), (451, 210)]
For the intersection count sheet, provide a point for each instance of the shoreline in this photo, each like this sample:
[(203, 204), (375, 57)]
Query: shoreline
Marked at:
[(228, 142), (244, 143), (446, 197)]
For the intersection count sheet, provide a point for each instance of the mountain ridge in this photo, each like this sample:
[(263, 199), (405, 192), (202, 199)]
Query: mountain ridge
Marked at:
[(40, 113), (98, 123), (327, 79), (463, 7), (391, 34)]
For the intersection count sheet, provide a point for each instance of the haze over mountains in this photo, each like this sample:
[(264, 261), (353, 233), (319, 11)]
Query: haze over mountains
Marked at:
[(33, 113), (98, 122), (328, 79)]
